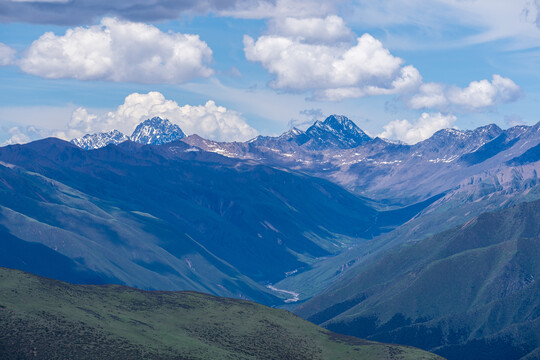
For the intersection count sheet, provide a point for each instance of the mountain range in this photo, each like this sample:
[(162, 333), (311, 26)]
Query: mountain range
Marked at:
[(154, 131), (175, 217), (431, 245)]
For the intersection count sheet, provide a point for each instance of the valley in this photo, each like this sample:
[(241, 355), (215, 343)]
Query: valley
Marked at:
[(269, 180), (431, 245)]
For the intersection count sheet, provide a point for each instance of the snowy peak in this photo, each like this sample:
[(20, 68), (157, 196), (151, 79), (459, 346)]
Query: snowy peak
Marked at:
[(490, 130), (292, 133), (449, 144), (99, 140), (336, 131), (483, 133), (157, 131), (449, 133)]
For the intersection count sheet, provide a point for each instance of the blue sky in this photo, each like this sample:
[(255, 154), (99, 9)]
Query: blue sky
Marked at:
[(229, 70)]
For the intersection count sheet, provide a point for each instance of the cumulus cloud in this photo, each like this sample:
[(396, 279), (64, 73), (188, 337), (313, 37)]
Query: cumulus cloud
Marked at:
[(118, 50), (478, 95), (484, 93), (82, 123), (430, 95), (7, 55), (23, 135), (419, 130), (209, 120), (312, 30), (18, 136), (333, 72)]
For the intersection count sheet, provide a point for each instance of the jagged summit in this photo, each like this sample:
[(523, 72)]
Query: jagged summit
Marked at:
[(99, 140), (291, 133), (336, 131), (489, 131), (294, 135), (490, 128), (157, 131), (154, 131)]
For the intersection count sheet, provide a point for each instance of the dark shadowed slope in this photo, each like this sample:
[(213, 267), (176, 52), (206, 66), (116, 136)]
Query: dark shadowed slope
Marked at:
[(53, 230), (163, 216), (468, 293), (48, 319)]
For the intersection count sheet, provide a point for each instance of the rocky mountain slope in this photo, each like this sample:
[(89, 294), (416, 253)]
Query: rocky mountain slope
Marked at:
[(96, 141), (174, 217), (337, 150), (394, 173), (154, 131), (377, 249), (467, 293)]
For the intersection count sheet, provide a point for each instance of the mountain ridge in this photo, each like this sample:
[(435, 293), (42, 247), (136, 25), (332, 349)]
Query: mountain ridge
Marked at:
[(154, 131), (184, 209), (457, 293)]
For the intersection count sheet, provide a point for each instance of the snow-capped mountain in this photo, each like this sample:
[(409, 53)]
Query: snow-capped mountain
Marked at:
[(294, 135), (291, 134), (336, 149), (382, 169), (335, 131), (455, 142), (156, 131), (203, 189), (99, 140)]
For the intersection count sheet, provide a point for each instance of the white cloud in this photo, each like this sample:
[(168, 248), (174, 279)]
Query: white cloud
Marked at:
[(119, 51), (332, 72), (422, 129), (430, 95), (23, 135), (18, 136), (312, 30), (209, 120), (408, 80), (81, 123), (476, 96), (7, 55), (484, 93)]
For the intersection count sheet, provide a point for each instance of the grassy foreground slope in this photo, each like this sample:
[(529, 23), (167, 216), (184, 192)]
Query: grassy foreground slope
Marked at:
[(47, 319)]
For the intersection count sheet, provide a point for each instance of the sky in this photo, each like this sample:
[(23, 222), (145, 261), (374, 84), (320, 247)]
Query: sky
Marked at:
[(230, 70)]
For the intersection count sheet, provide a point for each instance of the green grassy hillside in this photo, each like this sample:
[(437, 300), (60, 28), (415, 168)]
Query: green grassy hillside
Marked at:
[(47, 319)]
